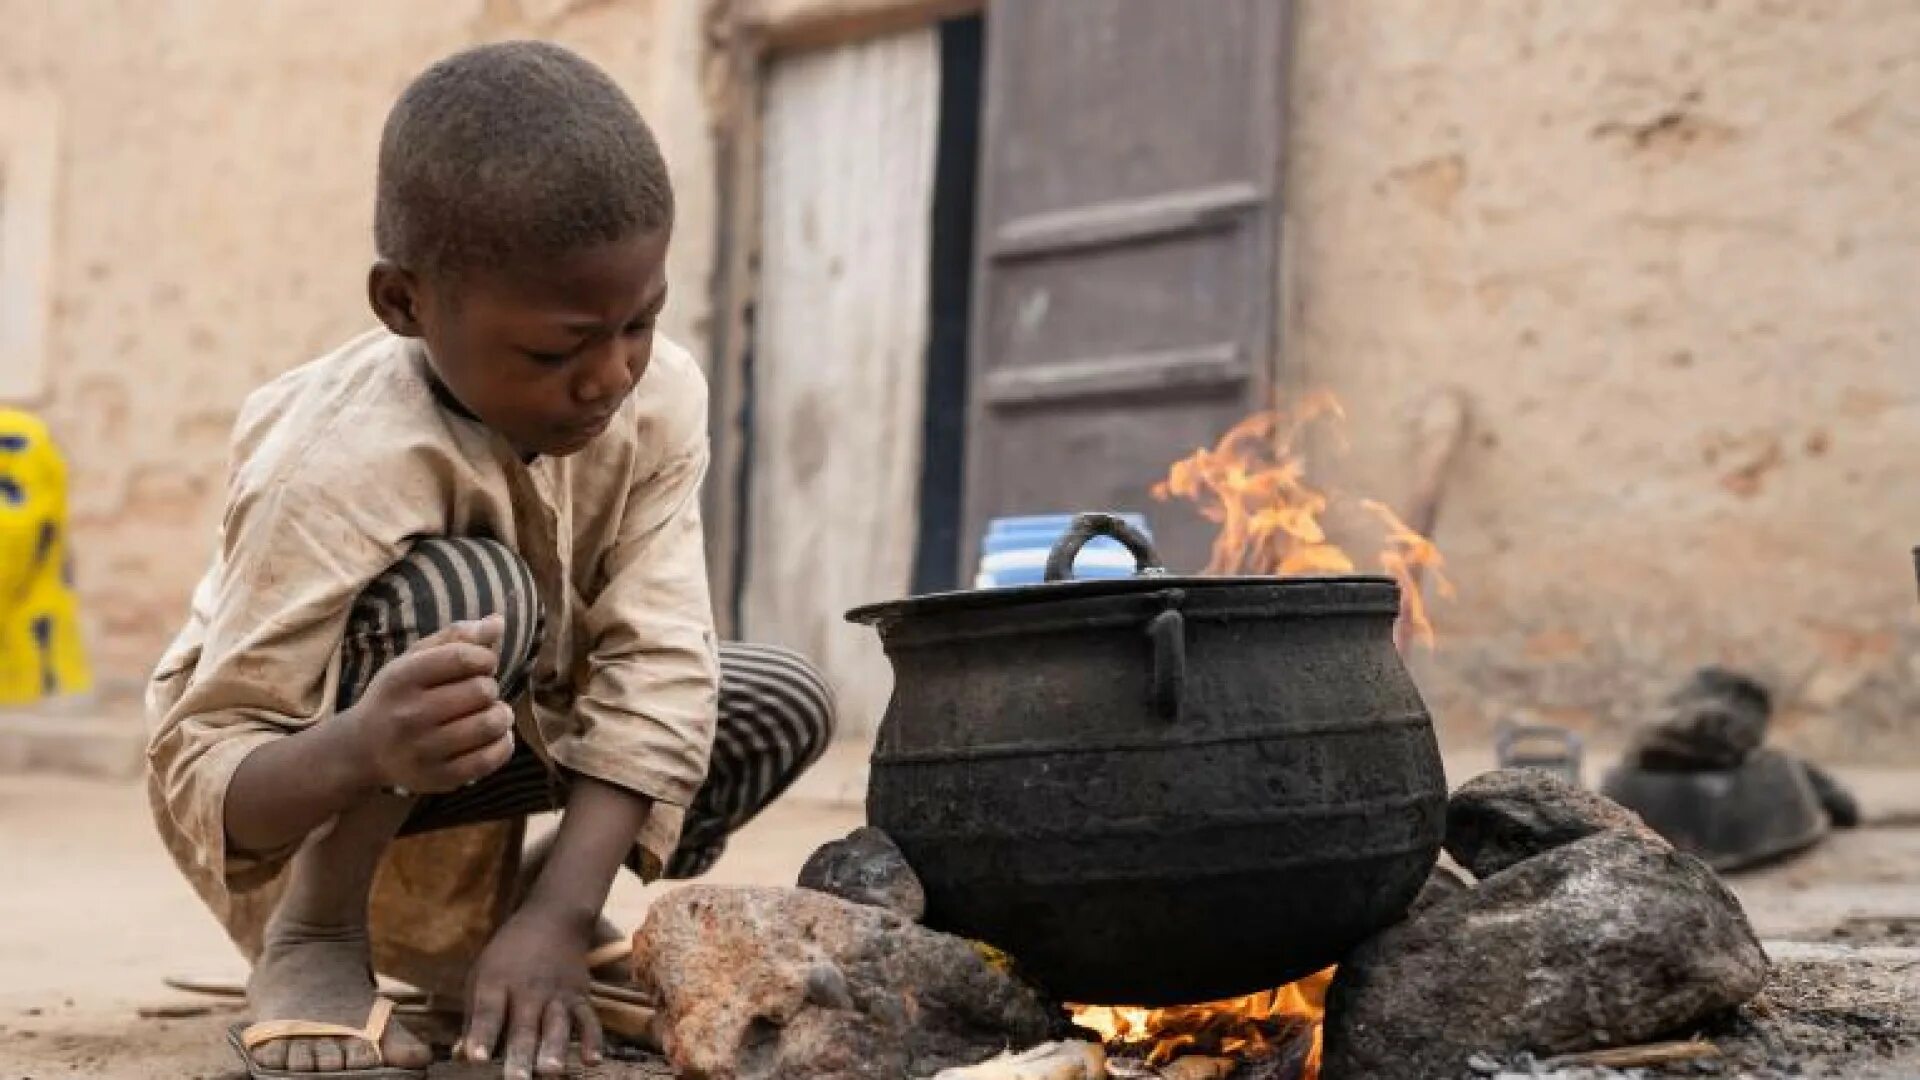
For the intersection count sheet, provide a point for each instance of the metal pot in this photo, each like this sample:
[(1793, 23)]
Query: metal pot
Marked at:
[(1762, 810), (1162, 789)]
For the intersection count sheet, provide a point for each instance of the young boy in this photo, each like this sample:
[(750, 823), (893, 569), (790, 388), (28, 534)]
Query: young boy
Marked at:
[(461, 581)]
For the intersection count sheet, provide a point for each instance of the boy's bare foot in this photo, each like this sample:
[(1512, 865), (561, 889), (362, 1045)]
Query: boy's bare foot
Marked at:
[(323, 974)]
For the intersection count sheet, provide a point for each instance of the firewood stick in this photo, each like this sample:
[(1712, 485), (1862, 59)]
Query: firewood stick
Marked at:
[(236, 989), (1628, 1057), (183, 1012), (628, 1021), (1439, 433), (629, 995)]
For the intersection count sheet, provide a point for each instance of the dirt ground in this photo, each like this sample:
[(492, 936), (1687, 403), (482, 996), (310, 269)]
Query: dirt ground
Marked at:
[(92, 915)]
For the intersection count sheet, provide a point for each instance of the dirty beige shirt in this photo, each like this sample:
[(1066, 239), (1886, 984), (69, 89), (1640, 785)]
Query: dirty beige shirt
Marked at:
[(337, 467)]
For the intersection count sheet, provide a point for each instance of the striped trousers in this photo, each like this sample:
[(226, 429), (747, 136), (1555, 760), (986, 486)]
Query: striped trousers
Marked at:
[(775, 711)]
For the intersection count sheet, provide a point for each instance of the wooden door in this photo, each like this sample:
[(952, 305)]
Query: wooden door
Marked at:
[(1126, 271), (839, 353)]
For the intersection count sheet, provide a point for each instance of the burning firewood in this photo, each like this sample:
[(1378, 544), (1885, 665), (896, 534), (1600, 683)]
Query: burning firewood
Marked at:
[(1199, 1068), (1279, 1027)]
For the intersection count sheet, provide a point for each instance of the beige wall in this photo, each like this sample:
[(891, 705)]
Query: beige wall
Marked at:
[(1671, 250), (213, 199), (1668, 247)]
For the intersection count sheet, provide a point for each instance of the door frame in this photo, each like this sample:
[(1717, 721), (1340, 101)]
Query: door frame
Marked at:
[(744, 37)]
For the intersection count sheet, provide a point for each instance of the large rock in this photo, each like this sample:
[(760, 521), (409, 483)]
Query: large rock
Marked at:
[(1713, 721), (791, 984), (1503, 817), (1443, 884), (1613, 939), (866, 868)]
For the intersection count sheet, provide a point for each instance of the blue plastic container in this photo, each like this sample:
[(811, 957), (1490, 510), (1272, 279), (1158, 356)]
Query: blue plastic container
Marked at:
[(1015, 550)]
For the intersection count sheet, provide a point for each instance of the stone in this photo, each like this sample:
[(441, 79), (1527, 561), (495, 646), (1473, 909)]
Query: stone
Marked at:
[(1503, 817), (1842, 808), (1610, 940), (764, 983), (866, 868), (1713, 721), (1443, 883)]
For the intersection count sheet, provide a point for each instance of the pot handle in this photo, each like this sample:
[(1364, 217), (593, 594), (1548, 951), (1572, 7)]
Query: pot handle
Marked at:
[(1168, 632), (1085, 527)]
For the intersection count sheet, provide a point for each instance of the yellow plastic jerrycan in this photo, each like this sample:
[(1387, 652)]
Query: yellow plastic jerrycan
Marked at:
[(40, 651)]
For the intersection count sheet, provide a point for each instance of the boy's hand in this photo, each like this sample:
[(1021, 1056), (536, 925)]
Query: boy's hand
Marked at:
[(531, 992), (432, 720)]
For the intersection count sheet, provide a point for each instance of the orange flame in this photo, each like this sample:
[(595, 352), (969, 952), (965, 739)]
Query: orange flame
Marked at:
[(1254, 485), (1245, 1027)]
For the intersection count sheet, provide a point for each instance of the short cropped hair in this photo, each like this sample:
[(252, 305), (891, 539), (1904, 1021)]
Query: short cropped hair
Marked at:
[(509, 153)]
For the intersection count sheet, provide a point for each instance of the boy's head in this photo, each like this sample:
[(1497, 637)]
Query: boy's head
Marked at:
[(522, 218)]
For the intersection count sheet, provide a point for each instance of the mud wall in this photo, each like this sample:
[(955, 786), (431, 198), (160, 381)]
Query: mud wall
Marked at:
[(212, 228), (1670, 250)]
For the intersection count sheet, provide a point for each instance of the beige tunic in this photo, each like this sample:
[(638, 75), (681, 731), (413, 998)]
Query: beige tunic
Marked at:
[(337, 467)]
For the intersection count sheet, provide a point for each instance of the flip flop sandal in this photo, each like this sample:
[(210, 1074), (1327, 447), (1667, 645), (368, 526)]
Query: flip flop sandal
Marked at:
[(245, 1037)]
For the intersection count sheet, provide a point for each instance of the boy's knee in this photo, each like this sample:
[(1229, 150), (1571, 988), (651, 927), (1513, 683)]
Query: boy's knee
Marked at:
[(440, 581), (804, 687), (820, 697)]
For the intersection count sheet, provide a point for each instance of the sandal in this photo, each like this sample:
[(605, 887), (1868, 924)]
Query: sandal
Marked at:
[(244, 1038)]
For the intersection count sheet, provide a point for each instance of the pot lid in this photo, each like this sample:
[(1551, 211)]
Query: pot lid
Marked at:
[(1150, 577)]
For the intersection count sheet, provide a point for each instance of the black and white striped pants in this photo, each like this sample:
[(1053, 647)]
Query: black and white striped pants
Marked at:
[(776, 713)]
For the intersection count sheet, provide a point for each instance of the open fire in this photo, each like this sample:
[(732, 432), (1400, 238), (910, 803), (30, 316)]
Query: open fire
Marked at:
[(1272, 519), (1273, 1022), (1254, 485)]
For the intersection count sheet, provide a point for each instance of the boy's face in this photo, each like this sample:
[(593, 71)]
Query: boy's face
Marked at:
[(543, 355)]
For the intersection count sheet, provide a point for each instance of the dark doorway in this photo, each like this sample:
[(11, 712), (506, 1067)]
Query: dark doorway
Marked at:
[(936, 561)]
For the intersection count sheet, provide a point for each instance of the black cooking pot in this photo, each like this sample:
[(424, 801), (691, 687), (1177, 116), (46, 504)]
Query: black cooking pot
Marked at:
[(1162, 789)]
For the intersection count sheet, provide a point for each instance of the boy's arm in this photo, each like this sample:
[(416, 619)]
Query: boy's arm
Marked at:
[(638, 750), (294, 554), (531, 983), (644, 716), (430, 721)]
